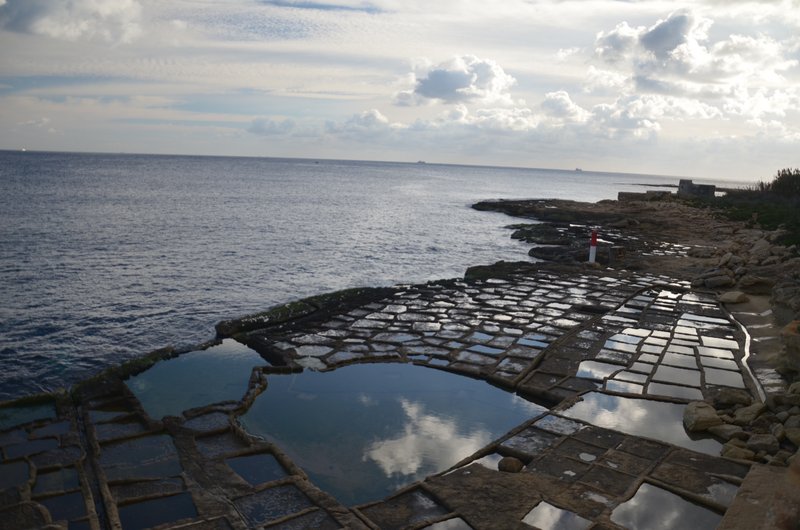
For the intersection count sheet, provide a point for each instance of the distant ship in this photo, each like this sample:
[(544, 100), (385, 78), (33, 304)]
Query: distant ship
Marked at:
[(578, 169), (421, 162)]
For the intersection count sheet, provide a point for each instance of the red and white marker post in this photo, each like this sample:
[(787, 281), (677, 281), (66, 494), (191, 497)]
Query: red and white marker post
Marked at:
[(593, 247)]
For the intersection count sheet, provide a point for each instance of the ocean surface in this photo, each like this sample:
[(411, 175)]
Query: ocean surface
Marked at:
[(106, 257)]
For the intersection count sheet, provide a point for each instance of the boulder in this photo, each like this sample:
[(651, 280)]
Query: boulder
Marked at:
[(778, 431), (793, 435), (699, 416), (701, 252), (725, 431), (733, 297), (735, 262), (761, 249), (763, 442), (790, 335), (789, 400), (792, 421), (724, 397), (509, 464), (745, 415), (739, 453), (715, 282), (752, 284)]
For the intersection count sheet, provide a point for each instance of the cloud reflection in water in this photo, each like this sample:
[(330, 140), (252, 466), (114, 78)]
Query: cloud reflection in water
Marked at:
[(373, 428), (653, 508), (428, 443), (658, 420)]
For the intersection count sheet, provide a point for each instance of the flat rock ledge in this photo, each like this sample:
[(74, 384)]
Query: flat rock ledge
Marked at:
[(562, 336)]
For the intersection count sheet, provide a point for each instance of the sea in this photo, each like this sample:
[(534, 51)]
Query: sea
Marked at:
[(105, 257)]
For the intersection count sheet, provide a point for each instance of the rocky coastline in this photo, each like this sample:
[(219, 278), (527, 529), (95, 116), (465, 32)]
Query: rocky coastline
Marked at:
[(681, 309), (741, 266)]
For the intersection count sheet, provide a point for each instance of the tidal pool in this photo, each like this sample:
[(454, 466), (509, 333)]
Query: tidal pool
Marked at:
[(195, 379), (12, 416), (363, 431), (658, 420), (653, 508)]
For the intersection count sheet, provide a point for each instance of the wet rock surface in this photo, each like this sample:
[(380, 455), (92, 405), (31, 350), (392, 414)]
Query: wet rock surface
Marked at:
[(563, 336)]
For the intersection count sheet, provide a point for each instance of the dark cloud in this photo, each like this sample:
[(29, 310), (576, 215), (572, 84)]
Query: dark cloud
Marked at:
[(447, 85), (667, 35)]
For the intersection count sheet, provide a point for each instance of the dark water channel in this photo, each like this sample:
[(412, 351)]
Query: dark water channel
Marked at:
[(362, 431)]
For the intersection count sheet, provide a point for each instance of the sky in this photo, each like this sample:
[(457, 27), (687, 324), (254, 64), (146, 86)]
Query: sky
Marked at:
[(707, 89)]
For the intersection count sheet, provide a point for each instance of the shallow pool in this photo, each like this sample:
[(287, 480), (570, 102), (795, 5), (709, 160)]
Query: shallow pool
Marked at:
[(658, 420), (195, 379), (363, 431)]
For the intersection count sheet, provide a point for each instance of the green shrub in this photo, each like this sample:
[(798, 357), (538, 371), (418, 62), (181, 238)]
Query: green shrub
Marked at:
[(785, 183), (769, 205)]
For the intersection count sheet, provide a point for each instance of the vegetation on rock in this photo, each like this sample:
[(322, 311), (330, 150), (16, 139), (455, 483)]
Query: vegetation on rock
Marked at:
[(772, 205)]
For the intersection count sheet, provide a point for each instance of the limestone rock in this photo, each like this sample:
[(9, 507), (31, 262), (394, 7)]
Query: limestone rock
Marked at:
[(747, 414), (789, 400), (739, 453), (701, 252), (509, 464), (716, 282), (752, 284), (724, 397), (793, 435), (699, 416), (778, 431), (794, 388), (733, 297), (792, 422), (726, 432), (768, 499), (763, 442), (790, 335), (761, 249)]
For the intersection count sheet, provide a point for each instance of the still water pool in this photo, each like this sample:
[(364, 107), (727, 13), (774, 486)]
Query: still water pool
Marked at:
[(658, 420), (363, 431), (195, 379)]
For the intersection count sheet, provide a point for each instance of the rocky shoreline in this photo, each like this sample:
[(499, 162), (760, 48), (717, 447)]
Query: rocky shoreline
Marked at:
[(742, 266), (680, 314)]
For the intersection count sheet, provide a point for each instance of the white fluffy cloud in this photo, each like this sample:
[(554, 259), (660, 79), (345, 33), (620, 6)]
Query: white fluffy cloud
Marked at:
[(108, 20), (526, 82), (676, 54), (461, 79)]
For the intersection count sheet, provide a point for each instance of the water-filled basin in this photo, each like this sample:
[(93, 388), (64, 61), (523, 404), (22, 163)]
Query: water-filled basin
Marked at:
[(362, 431)]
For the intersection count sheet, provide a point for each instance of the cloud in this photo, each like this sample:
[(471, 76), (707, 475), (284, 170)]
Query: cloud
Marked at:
[(268, 127), (560, 106), (666, 35), (367, 126), (462, 79), (678, 48), (699, 77), (107, 20), (364, 7), (39, 123)]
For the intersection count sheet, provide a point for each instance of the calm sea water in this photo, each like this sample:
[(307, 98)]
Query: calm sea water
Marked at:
[(105, 257)]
